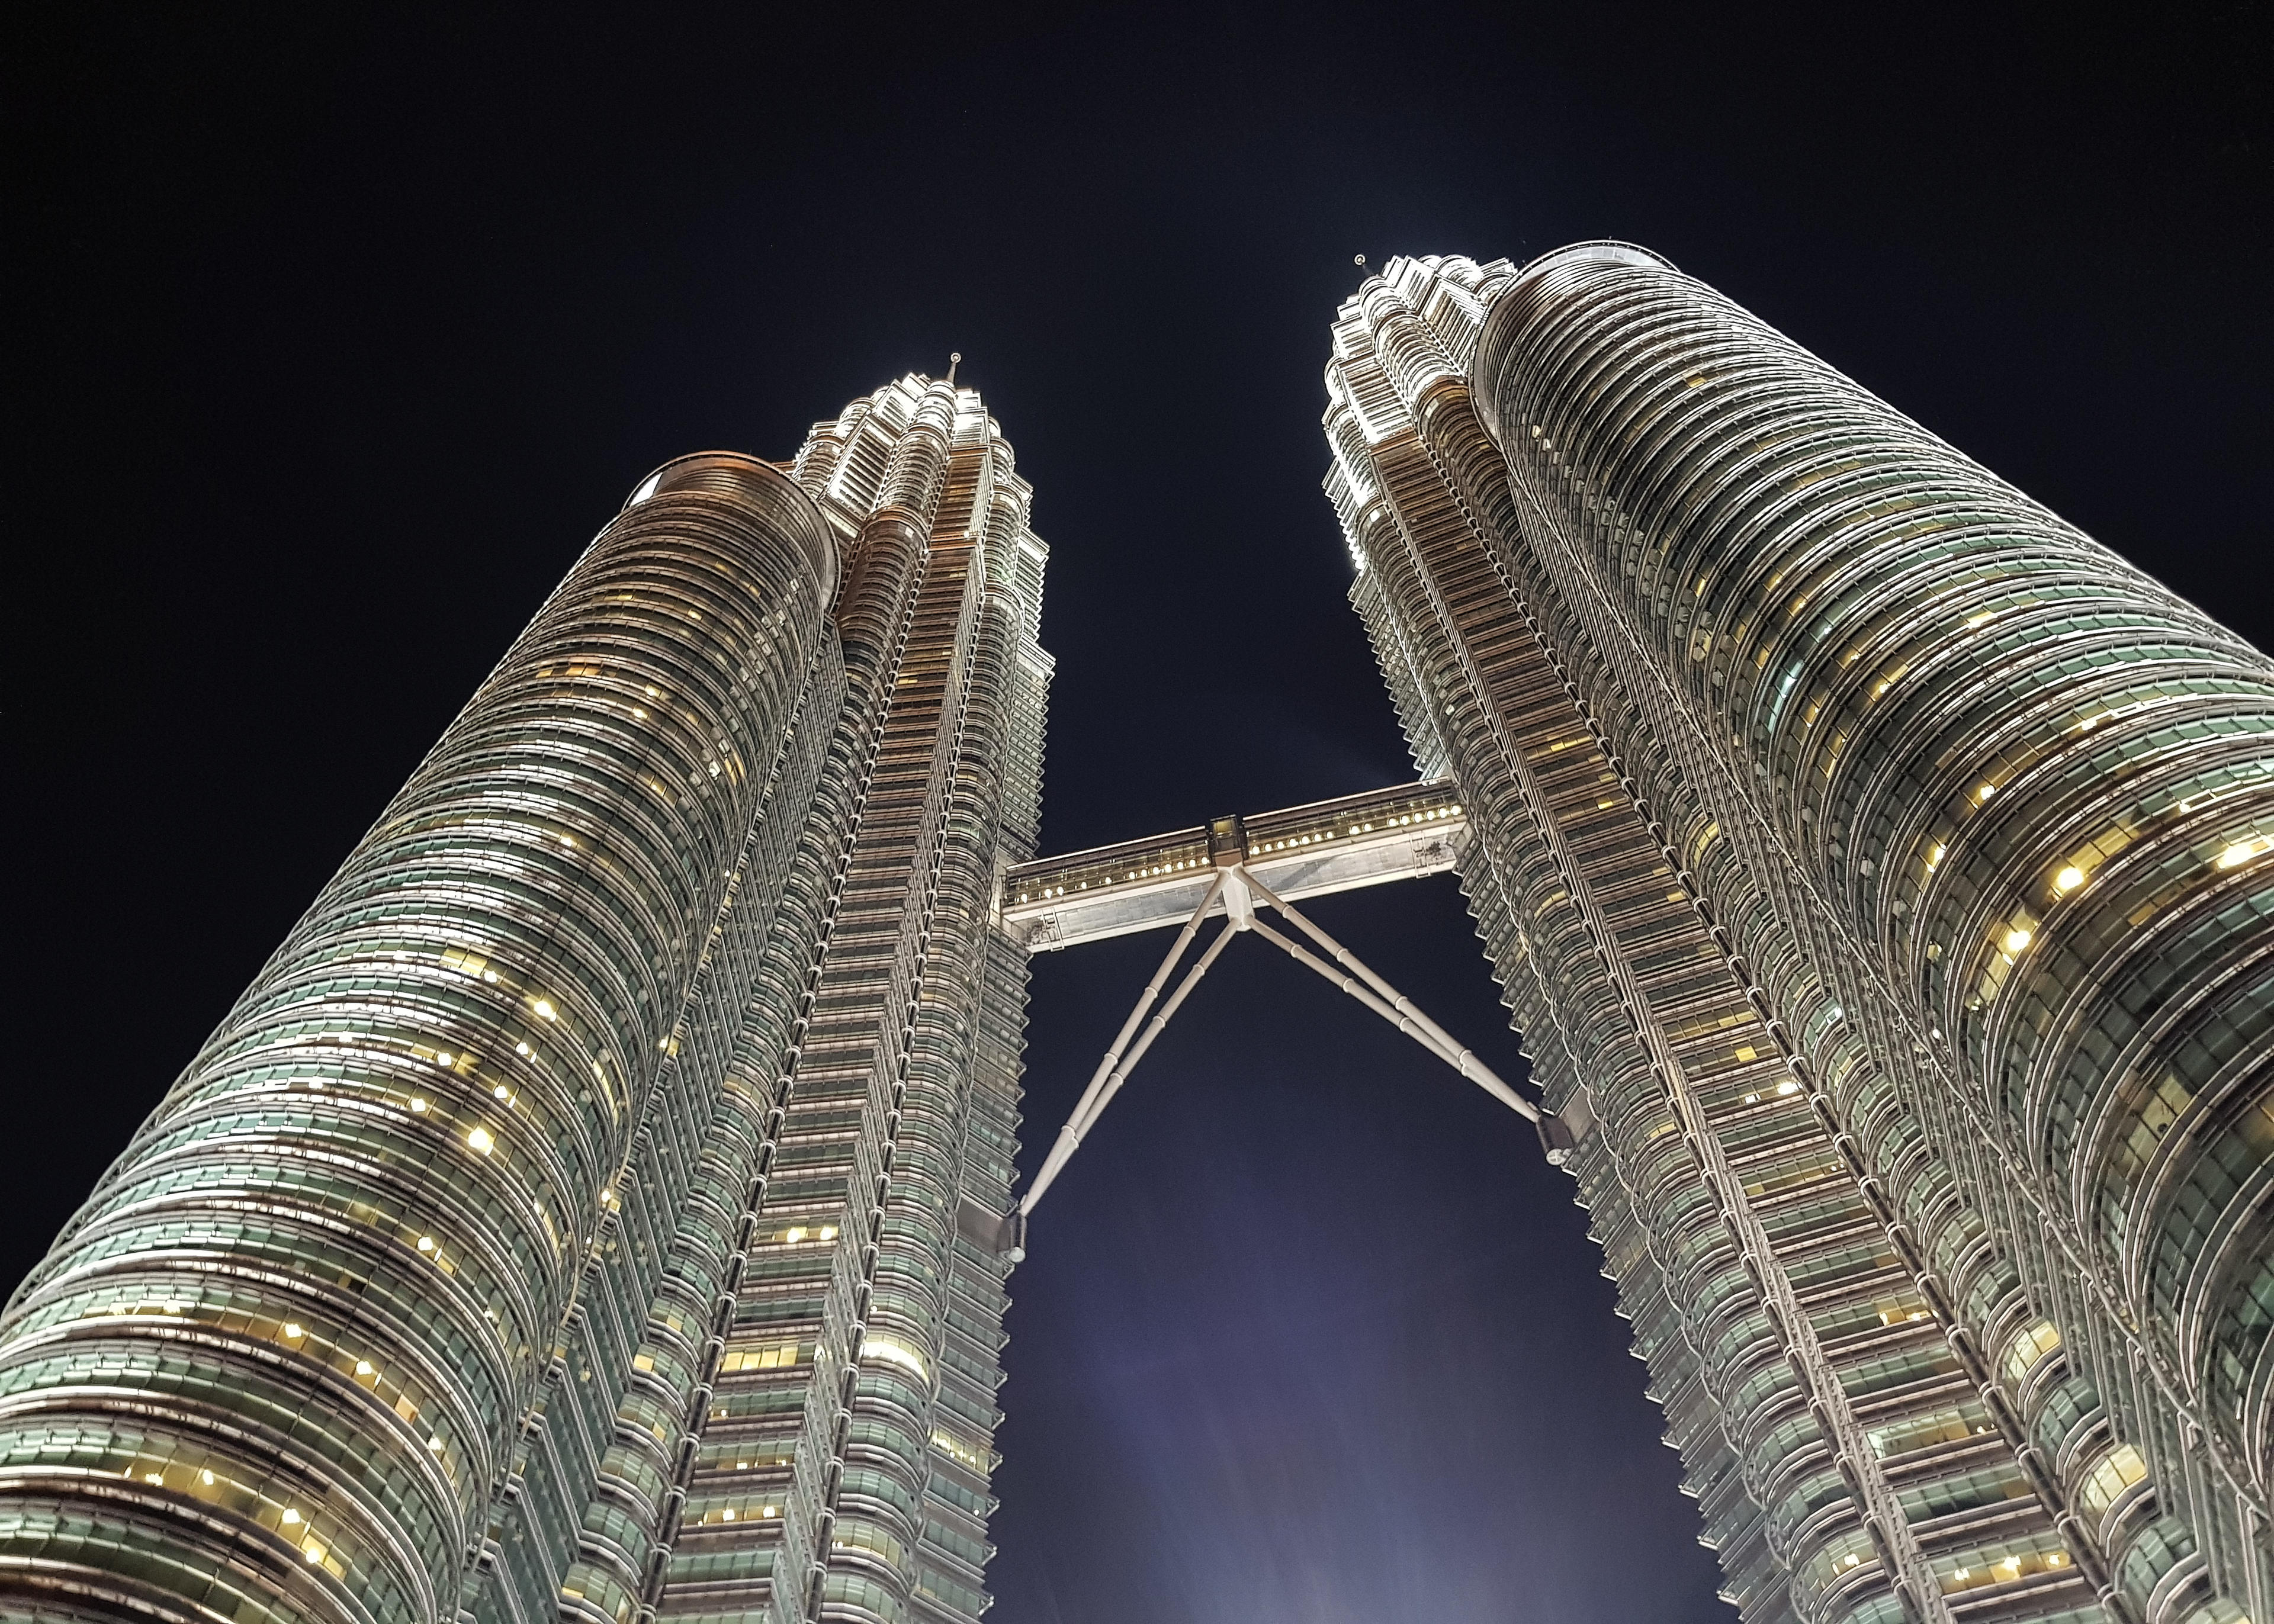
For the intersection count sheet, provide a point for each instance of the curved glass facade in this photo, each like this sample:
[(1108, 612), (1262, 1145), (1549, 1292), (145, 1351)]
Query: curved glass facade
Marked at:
[(837, 1463), (1874, 866), (567, 1222), (276, 1366)]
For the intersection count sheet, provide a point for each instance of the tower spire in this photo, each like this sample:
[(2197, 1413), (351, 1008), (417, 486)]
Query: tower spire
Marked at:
[(954, 357)]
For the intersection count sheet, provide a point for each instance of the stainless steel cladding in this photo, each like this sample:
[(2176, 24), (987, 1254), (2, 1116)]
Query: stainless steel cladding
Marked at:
[(278, 1364), (565, 1222), (1883, 883)]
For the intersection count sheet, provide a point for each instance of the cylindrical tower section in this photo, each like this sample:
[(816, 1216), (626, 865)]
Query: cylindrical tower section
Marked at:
[(2032, 789), (894, 537), (274, 1368)]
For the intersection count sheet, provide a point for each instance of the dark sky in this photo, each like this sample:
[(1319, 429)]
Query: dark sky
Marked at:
[(333, 340)]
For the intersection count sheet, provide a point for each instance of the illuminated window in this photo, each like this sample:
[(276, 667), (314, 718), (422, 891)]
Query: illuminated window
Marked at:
[(2110, 1477), (894, 1352), (2029, 1346)]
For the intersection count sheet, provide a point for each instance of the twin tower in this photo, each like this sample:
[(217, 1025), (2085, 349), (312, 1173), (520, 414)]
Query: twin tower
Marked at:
[(600, 1207)]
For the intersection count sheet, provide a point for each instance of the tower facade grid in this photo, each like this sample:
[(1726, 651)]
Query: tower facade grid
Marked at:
[(599, 1208), (1786, 729), (573, 1219)]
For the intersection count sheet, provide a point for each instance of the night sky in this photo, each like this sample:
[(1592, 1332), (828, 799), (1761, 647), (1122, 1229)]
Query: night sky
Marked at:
[(332, 341)]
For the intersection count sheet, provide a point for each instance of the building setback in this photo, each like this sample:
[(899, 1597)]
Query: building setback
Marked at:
[(1878, 870), (570, 1221)]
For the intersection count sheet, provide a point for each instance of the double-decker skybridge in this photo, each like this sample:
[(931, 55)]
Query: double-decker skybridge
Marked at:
[(1232, 868), (1311, 851)]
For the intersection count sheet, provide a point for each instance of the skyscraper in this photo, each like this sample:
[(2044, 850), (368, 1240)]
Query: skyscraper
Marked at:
[(1879, 872), (572, 1218), (600, 1207)]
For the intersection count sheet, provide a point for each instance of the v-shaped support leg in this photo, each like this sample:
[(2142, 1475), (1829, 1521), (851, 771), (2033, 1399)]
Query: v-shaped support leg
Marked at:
[(1233, 883), (1112, 1071)]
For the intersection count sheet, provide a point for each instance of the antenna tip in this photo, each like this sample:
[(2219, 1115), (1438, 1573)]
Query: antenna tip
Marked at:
[(1358, 258)]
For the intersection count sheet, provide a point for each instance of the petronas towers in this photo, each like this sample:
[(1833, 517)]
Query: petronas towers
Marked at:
[(600, 1207)]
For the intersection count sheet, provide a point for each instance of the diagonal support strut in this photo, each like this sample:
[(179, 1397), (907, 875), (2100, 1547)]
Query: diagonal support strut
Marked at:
[(1233, 883), (1392, 1006), (1069, 1140)]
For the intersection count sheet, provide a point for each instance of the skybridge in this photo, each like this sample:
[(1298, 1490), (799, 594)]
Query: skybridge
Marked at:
[(1400, 833), (1233, 867)]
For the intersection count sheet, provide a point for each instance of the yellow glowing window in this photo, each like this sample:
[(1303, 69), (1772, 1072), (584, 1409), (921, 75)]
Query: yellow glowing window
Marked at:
[(892, 1350), (2115, 1472), (781, 1356), (970, 1454), (2028, 1348)]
